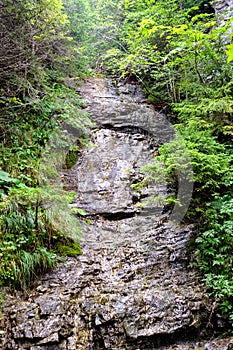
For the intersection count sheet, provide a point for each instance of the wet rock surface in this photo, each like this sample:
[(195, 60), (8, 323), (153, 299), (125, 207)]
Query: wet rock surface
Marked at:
[(224, 12), (103, 177), (131, 288)]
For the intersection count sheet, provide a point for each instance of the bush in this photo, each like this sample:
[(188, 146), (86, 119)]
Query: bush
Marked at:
[(33, 222), (215, 251)]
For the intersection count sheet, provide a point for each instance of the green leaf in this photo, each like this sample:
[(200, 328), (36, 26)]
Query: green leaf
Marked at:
[(79, 211), (5, 178), (229, 51)]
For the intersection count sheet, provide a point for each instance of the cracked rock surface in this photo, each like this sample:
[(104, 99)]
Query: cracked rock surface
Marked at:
[(132, 288)]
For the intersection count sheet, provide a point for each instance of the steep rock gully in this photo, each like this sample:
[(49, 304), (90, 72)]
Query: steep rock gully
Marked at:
[(131, 289)]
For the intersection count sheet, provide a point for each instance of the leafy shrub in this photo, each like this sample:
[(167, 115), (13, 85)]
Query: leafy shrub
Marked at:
[(33, 221), (215, 251)]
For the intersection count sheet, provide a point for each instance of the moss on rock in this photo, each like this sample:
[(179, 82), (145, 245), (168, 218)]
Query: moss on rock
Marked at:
[(71, 250)]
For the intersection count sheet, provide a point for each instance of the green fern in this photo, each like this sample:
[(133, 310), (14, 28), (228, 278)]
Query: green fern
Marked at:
[(28, 265)]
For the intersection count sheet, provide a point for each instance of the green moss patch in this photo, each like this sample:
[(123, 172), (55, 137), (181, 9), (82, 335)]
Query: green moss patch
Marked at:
[(71, 250)]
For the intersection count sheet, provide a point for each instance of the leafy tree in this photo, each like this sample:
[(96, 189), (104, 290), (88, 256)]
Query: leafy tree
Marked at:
[(33, 36)]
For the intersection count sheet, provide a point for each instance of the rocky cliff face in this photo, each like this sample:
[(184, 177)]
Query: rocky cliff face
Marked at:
[(132, 288), (224, 12), (223, 9)]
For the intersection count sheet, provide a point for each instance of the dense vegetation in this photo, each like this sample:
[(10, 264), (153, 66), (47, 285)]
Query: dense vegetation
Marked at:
[(40, 67), (177, 52)]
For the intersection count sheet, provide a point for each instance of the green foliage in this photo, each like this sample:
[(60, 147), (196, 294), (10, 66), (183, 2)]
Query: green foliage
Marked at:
[(215, 251), (230, 53), (211, 160), (6, 182), (71, 158), (34, 38), (80, 26), (79, 211), (27, 265), (41, 119), (45, 121), (33, 221)]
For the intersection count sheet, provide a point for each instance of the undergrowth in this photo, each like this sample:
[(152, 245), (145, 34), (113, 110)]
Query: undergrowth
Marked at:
[(35, 218)]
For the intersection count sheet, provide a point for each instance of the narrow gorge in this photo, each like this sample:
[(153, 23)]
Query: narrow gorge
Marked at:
[(132, 288)]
